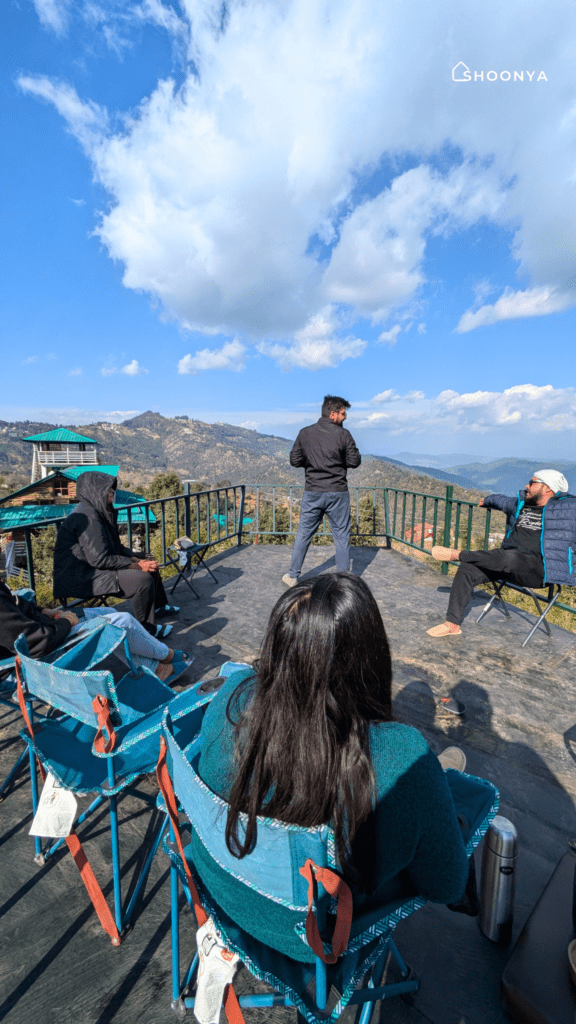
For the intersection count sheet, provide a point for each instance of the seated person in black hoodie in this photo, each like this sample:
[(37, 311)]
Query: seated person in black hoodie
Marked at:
[(90, 559), (42, 630)]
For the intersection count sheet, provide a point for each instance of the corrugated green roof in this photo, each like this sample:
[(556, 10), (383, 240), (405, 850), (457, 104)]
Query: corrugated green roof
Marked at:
[(16, 518), (73, 472), (32, 515), (61, 434)]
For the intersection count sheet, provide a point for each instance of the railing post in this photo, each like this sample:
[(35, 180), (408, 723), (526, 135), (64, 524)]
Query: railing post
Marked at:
[(447, 521), (29, 560), (187, 526), (387, 518), (241, 513), (487, 530)]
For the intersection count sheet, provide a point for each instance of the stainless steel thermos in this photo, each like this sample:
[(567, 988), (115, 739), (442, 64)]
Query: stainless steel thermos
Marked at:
[(497, 880)]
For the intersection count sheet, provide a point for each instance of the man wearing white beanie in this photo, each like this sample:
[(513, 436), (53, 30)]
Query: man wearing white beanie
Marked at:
[(539, 546)]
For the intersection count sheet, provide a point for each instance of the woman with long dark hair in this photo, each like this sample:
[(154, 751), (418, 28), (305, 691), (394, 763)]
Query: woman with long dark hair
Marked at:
[(309, 738)]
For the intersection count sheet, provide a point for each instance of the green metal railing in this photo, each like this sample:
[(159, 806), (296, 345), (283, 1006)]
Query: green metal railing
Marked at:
[(206, 517), (413, 518)]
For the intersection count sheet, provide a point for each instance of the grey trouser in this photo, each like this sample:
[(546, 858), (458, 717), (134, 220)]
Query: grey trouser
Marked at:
[(336, 505)]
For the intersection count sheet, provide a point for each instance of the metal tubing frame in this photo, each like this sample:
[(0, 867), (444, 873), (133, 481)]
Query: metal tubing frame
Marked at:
[(115, 843)]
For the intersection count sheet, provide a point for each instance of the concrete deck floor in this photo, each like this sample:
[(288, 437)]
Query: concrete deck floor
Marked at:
[(519, 731)]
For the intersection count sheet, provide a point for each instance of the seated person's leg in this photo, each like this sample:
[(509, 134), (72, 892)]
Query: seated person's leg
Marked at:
[(160, 599), (139, 586), (467, 577), (514, 566)]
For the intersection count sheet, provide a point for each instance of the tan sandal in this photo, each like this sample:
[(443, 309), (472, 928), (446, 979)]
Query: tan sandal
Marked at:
[(443, 630)]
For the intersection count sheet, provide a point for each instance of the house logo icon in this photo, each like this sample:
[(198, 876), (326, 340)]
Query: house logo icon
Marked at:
[(461, 72)]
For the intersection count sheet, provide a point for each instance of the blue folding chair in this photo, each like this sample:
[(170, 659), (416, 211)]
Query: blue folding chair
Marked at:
[(296, 867), (8, 688), (104, 740)]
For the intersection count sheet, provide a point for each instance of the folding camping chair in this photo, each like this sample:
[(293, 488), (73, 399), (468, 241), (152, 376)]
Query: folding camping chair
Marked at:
[(8, 688), (295, 867), (105, 739), (554, 591), (189, 559)]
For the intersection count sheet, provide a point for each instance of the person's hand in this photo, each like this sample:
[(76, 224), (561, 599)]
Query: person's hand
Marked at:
[(50, 612), (481, 503), (72, 619), (147, 565)]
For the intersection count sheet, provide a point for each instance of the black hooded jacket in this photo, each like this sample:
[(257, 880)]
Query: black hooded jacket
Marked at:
[(88, 551), (20, 616)]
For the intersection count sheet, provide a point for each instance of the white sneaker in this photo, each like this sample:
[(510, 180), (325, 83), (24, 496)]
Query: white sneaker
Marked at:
[(289, 580)]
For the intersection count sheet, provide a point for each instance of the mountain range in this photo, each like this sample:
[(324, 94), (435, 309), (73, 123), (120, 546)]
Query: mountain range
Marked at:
[(212, 452)]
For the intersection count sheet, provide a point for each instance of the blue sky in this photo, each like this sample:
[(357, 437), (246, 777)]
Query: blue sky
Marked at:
[(230, 210)]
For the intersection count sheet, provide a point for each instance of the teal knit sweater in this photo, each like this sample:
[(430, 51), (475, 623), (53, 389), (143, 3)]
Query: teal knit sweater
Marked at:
[(414, 845)]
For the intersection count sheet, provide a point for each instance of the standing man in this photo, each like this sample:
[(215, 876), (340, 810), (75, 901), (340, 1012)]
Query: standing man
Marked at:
[(326, 450), (539, 546)]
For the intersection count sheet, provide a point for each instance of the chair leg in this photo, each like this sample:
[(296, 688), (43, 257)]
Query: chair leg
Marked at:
[(115, 848), (177, 1001), (542, 618), (496, 596), (202, 564), (145, 871), (38, 855), (182, 577)]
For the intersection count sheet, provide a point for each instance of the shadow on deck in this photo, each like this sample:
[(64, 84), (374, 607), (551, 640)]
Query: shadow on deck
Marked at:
[(518, 731)]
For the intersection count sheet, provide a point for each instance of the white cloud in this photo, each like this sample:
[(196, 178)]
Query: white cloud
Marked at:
[(53, 14), (133, 369), (378, 263), (390, 337), (229, 357), (157, 13), (86, 120), (535, 410), (29, 360), (51, 414), (220, 186), (76, 372), (421, 328), (513, 305), (78, 202), (316, 346), (108, 371), (386, 396)]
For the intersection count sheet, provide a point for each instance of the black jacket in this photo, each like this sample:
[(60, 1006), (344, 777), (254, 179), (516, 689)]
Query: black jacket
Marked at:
[(325, 450), (19, 616), (88, 551)]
